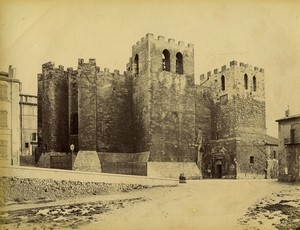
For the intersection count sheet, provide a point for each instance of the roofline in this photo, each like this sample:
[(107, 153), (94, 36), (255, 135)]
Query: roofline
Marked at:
[(288, 118)]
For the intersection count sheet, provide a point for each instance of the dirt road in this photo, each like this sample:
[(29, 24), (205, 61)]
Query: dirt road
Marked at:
[(205, 204)]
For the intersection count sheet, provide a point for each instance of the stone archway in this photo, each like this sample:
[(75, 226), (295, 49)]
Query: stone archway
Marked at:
[(219, 162)]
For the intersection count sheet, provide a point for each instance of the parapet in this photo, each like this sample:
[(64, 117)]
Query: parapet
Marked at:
[(160, 38), (231, 64)]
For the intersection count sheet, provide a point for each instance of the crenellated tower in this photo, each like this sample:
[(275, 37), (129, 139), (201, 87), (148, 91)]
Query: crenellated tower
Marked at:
[(163, 100), (238, 116), (53, 109)]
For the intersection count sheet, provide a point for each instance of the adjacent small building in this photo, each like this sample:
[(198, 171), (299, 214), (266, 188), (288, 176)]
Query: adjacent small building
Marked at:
[(10, 88), (28, 124), (289, 147)]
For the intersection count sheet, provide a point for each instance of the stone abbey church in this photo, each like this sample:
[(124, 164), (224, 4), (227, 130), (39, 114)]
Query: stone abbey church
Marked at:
[(153, 119)]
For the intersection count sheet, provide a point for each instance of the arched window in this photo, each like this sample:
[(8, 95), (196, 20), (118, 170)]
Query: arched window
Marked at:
[(165, 60), (74, 123), (223, 82), (254, 83), (246, 81), (136, 64), (179, 63)]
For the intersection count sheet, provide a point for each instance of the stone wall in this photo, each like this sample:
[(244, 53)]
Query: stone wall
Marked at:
[(87, 105), (73, 108), (172, 118), (114, 112), (53, 109), (141, 94), (203, 112), (124, 163)]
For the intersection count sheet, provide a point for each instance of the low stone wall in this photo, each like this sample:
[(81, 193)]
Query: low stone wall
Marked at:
[(173, 169), (44, 161), (58, 174)]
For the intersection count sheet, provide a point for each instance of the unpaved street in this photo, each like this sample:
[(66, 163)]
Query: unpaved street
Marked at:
[(204, 204)]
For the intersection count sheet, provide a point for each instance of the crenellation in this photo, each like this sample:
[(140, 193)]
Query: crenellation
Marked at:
[(40, 76), (171, 40), (208, 74), (223, 67), (248, 66), (48, 65), (262, 70), (149, 35), (233, 63), (215, 71), (256, 68), (190, 45), (61, 67), (181, 43), (242, 64), (92, 61), (80, 61), (106, 70), (117, 72), (161, 38)]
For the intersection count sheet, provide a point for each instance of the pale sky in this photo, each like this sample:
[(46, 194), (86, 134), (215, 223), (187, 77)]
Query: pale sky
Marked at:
[(261, 33)]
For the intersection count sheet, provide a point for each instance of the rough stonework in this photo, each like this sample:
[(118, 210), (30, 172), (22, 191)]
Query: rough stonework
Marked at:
[(213, 128), (238, 144)]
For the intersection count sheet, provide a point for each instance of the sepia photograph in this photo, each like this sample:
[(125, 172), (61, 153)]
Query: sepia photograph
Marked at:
[(150, 115)]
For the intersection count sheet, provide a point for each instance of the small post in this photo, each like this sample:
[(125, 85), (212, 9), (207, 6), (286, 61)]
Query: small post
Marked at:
[(72, 149)]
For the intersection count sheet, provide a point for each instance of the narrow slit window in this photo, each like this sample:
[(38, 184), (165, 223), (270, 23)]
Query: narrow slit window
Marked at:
[(254, 83), (136, 64), (223, 83), (74, 123), (246, 81), (251, 159)]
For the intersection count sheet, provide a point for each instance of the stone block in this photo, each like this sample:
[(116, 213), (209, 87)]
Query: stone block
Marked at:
[(87, 161)]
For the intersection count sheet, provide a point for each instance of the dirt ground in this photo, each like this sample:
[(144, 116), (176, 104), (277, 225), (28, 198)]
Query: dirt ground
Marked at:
[(204, 204)]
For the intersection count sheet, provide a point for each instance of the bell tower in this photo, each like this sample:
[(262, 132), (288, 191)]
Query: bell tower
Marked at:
[(164, 100)]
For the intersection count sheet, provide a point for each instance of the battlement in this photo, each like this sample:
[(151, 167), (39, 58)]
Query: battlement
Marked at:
[(232, 64), (116, 72), (48, 65), (92, 62), (160, 38)]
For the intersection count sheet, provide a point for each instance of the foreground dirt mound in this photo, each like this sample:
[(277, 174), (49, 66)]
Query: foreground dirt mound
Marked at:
[(22, 190), (276, 211)]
